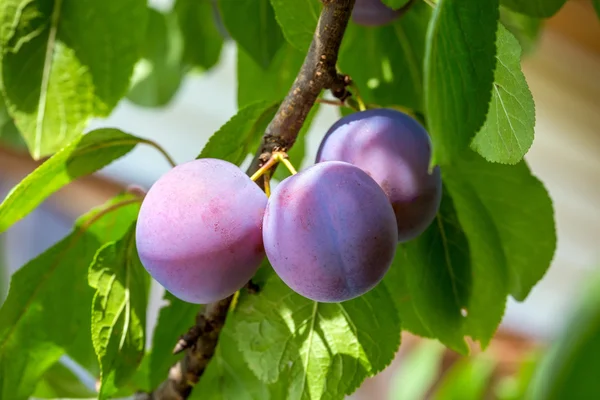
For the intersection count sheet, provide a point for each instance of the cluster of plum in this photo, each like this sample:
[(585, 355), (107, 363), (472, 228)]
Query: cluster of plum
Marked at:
[(330, 232)]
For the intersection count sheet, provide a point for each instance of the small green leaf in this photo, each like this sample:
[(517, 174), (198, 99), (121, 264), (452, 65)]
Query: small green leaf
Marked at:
[(467, 379), (202, 41), (394, 4), (241, 134), (174, 319), (262, 38), (48, 304), (513, 209), (79, 57), (320, 350), (535, 8), (118, 311), (83, 156), (298, 21), (527, 30), (459, 72), (60, 382), (507, 133), (158, 75)]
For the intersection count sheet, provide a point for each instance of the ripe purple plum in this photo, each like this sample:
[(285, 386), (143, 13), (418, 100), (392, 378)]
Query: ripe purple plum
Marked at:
[(199, 230), (395, 150), (373, 13), (330, 232)]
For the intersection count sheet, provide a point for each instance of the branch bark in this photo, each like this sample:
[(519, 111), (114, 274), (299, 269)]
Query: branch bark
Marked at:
[(318, 72)]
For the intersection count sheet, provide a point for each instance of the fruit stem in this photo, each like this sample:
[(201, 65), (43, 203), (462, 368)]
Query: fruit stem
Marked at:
[(262, 170), (288, 164), (267, 183)]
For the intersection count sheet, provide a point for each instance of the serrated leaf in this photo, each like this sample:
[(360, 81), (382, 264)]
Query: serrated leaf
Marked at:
[(387, 63), (535, 8), (118, 311), (467, 379), (49, 299), (507, 133), (79, 57), (60, 382), (526, 29), (158, 75), (260, 39), (174, 319), (513, 210), (298, 21), (241, 134), (83, 156), (202, 41), (319, 350), (395, 4), (459, 72)]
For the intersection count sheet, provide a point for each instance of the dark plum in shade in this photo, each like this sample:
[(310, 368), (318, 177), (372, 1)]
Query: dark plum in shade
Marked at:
[(373, 13), (395, 150), (330, 232), (199, 231)]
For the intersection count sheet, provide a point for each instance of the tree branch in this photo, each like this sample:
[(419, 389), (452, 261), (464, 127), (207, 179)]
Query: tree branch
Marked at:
[(318, 72)]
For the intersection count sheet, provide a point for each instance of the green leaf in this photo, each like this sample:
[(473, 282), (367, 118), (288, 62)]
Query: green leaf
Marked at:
[(507, 133), (512, 209), (394, 4), (158, 75), (596, 4), (202, 41), (459, 72), (83, 156), (535, 8), (298, 21), (320, 350), (527, 30), (418, 372), (118, 311), (241, 134), (569, 370), (467, 379), (79, 57), (387, 63), (514, 387), (60, 382), (48, 304), (174, 319), (262, 38)]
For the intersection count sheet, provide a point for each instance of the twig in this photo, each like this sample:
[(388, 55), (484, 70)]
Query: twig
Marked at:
[(318, 72)]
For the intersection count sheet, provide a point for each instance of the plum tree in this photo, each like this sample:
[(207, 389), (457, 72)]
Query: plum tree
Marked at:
[(330, 232), (373, 13), (395, 150), (199, 230)]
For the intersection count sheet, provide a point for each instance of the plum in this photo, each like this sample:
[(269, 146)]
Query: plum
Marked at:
[(330, 232), (395, 150), (373, 13), (199, 230)]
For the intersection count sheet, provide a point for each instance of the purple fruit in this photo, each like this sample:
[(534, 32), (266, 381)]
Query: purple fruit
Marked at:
[(199, 230), (373, 13), (395, 150), (330, 232)]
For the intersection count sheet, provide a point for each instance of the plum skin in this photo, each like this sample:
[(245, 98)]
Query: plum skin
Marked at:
[(330, 232), (373, 13), (395, 150), (199, 230)]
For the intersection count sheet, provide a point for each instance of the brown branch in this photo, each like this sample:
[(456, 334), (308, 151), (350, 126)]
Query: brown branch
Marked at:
[(318, 72)]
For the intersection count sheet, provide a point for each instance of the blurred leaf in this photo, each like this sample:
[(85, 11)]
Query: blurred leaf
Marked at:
[(526, 29), (48, 304), (260, 39), (537, 8), (60, 382), (467, 379), (202, 41), (570, 368), (418, 372), (507, 133), (298, 21), (395, 4), (514, 387), (83, 156), (596, 4), (386, 63), (174, 320), (241, 134), (459, 72), (158, 75), (317, 350), (118, 311), (512, 209), (79, 57)]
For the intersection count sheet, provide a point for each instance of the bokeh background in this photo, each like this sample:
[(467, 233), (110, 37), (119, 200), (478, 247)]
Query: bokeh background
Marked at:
[(563, 72)]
